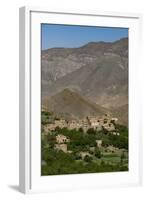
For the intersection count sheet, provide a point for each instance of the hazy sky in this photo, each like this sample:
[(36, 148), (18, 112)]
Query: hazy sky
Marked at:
[(76, 36)]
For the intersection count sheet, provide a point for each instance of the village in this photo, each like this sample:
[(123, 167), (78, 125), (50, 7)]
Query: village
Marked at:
[(96, 123), (92, 139), (62, 141)]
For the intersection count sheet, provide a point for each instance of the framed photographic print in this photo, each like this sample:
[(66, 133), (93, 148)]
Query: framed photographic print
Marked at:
[(79, 100)]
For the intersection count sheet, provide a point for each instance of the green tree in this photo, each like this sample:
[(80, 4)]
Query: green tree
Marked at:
[(81, 130), (88, 158), (91, 131), (97, 153)]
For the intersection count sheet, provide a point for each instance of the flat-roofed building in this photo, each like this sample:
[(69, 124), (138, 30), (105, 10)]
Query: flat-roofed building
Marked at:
[(61, 139), (62, 147), (99, 143), (60, 123)]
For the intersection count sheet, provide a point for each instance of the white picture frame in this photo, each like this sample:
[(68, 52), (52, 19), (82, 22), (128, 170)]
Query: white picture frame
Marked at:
[(30, 177)]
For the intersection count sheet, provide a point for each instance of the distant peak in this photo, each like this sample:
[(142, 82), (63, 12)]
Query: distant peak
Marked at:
[(122, 40), (98, 44)]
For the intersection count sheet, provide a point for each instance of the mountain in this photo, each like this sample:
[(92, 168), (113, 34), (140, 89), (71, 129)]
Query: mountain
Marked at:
[(97, 71), (104, 82), (121, 113), (70, 104)]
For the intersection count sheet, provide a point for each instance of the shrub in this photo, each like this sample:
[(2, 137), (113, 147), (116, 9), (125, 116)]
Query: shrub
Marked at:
[(97, 153), (88, 158)]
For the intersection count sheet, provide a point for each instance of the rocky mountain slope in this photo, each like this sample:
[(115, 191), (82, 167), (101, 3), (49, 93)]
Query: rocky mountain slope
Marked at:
[(97, 71), (71, 105), (121, 113)]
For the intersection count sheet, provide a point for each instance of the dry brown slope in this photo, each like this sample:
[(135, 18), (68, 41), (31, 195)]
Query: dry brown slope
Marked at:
[(70, 104)]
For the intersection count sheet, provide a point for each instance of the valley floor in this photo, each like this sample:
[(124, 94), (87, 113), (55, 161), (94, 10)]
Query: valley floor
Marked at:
[(65, 151)]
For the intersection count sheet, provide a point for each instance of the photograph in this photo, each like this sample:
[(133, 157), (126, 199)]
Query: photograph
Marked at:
[(84, 99)]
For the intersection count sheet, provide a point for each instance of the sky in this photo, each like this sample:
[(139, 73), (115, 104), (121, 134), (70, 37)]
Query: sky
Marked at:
[(72, 36)]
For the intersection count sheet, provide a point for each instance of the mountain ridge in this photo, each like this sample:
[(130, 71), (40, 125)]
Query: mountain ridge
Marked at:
[(98, 71)]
